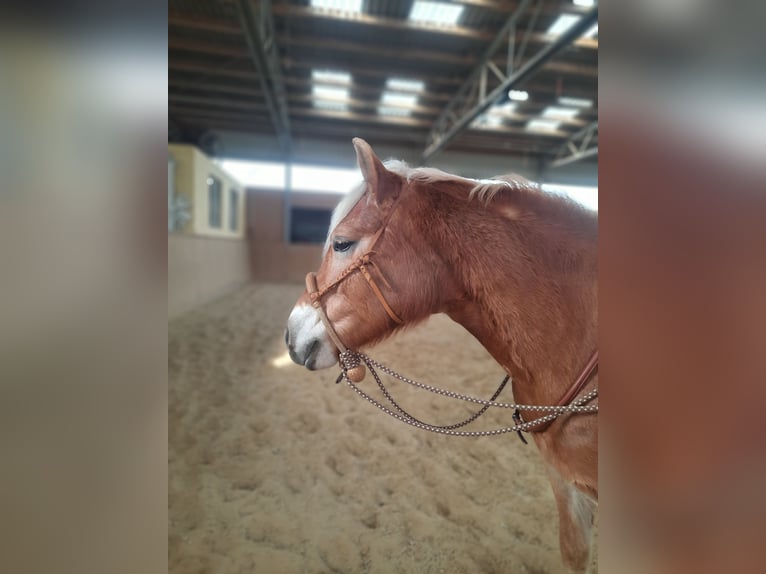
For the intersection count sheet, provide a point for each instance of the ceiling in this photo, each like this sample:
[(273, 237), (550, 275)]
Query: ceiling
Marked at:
[(292, 69)]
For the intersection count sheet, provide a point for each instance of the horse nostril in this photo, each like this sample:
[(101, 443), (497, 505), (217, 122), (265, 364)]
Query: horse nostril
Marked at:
[(287, 337), (310, 351)]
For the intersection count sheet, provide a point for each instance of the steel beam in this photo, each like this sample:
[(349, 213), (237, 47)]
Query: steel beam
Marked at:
[(261, 45), (465, 106), (581, 145)]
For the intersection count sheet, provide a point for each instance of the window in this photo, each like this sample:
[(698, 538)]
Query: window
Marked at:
[(308, 178), (318, 178), (233, 209), (309, 225), (263, 174), (214, 201)]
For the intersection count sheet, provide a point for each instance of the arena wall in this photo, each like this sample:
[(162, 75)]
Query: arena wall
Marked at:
[(201, 269), (273, 258), (204, 262)]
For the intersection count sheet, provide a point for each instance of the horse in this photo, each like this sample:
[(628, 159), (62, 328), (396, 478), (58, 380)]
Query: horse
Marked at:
[(514, 265)]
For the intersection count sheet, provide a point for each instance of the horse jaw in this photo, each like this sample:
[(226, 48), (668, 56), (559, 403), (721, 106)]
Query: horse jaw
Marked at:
[(307, 340)]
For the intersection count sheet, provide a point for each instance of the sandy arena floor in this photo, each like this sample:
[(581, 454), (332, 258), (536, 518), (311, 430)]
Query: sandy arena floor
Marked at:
[(275, 469)]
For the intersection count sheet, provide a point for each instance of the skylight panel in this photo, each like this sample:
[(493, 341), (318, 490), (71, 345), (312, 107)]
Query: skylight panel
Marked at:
[(559, 112), (505, 109), (543, 125), (330, 76), (562, 24), (493, 120), (576, 102), (392, 111), (330, 92), (330, 98), (518, 95), (404, 84), (331, 106), (488, 121), (396, 103), (592, 32), (436, 13), (495, 116), (347, 6), (394, 99)]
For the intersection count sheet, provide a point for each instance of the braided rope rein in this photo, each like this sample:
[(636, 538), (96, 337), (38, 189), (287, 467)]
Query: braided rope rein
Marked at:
[(350, 359)]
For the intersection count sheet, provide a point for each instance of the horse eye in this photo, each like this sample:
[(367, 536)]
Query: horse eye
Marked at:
[(341, 245)]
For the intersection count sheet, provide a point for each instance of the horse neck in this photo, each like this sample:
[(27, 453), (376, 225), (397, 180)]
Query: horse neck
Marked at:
[(529, 296)]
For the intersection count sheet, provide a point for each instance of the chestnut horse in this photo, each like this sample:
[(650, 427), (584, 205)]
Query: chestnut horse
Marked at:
[(514, 265)]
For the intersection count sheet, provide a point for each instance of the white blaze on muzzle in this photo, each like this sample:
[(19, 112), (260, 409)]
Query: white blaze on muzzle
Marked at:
[(307, 339)]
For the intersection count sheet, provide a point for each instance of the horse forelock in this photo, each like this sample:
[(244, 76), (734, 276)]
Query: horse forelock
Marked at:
[(343, 209)]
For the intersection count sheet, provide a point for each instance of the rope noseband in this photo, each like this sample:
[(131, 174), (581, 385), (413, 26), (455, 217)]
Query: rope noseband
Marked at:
[(362, 264)]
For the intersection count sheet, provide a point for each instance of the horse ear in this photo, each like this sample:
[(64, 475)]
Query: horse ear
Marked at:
[(385, 184)]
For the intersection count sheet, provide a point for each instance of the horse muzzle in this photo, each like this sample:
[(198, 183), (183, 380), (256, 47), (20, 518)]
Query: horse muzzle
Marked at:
[(307, 341)]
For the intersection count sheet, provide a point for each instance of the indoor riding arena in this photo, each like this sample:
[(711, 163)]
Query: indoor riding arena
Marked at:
[(275, 468)]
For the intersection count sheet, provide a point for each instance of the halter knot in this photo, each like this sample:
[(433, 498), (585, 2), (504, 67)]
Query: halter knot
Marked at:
[(351, 364)]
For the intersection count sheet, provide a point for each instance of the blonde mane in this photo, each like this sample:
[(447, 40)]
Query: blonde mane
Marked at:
[(483, 189), (343, 209)]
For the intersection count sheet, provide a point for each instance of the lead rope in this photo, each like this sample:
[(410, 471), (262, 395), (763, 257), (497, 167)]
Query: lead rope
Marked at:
[(351, 359)]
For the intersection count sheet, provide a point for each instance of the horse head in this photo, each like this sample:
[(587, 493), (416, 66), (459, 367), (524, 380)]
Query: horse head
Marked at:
[(377, 273)]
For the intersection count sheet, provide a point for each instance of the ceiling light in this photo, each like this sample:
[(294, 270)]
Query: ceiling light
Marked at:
[(578, 102), (584, 3), (562, 24), (592, 31), (436, 13), (518, 95), (558, 112), (543, 125), (331, 76), (348, 6), (404, 84)]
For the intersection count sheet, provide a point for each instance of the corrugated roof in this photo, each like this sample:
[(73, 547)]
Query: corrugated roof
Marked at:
[(214, 83)]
